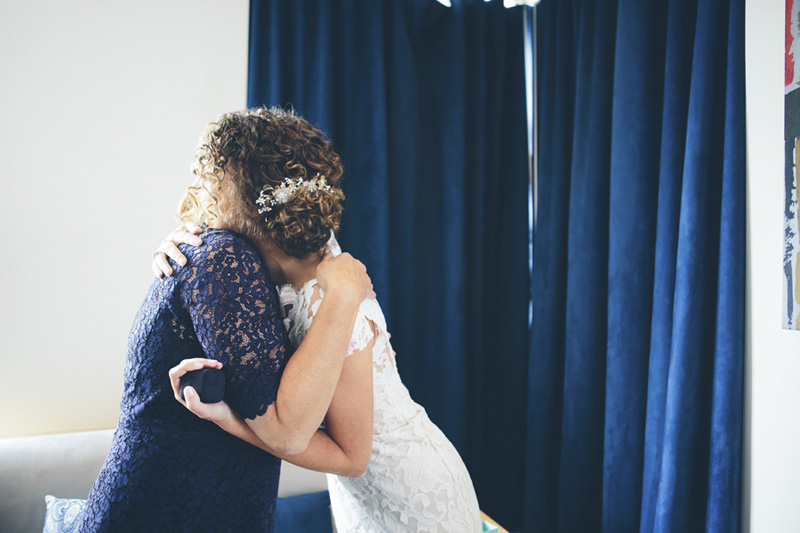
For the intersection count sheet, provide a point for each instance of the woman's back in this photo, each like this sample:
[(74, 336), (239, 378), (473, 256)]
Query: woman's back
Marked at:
[(167, 469)]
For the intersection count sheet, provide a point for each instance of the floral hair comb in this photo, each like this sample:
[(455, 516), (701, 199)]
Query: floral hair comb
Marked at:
[(271, 196)]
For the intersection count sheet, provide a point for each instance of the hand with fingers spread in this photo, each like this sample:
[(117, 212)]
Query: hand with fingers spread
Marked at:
[(214, 412), (185, 234)]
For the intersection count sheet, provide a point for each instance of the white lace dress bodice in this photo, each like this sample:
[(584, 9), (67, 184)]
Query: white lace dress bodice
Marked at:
[(416, 480)]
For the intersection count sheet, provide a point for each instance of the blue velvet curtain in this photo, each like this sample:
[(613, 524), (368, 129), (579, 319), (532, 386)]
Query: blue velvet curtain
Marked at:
[(426, 105), (636, 355)]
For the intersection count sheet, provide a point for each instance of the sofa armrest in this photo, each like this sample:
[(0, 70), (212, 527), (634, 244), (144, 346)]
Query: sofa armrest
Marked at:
[(64, 465)]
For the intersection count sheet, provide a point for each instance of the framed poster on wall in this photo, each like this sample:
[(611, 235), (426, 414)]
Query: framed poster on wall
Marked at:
[(791, 130)]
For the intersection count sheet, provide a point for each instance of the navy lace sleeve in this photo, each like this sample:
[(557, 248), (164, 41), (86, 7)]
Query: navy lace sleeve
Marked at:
[(236, 316)]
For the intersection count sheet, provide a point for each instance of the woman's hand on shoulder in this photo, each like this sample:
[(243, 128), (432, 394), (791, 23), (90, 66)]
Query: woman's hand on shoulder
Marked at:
[(346, 275), (213, 412), (185, 234)]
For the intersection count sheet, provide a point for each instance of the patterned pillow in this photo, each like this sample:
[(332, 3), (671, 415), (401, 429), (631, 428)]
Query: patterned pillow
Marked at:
[(63, 516)]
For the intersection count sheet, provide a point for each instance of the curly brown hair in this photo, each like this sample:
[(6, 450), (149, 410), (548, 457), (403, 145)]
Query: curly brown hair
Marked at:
[(249, 150)]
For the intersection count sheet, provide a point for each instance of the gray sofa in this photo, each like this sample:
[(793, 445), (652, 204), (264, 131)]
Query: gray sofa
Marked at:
[(66, 465)]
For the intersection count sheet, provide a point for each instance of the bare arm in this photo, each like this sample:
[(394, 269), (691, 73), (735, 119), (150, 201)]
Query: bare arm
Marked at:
[(346, 448), (323, 453), (350, 417), (345, 451), (310, 377)]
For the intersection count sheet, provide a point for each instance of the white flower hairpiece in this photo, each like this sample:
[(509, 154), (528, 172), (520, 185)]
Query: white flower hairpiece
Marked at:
[(271, 196)]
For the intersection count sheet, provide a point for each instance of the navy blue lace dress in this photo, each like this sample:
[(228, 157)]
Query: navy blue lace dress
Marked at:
[(169, 470)]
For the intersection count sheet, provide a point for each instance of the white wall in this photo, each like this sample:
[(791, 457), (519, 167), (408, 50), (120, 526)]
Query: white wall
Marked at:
[(772, 402), (101, 105)]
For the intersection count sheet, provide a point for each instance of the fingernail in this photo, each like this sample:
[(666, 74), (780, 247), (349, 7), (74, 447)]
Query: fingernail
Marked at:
[(182, 262), (188, 392), (198, 242)]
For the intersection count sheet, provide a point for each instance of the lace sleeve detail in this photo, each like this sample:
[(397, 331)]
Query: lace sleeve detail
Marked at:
[(362, 334), (369, 314), (235, 313)]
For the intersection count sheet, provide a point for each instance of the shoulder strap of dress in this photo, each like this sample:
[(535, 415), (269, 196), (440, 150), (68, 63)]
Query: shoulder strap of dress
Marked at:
[(333, 245)]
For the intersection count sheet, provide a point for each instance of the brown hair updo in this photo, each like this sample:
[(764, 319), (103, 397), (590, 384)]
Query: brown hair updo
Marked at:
[(249, 150)]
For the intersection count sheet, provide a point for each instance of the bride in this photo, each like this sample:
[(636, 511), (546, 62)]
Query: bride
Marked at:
[(390, 468)]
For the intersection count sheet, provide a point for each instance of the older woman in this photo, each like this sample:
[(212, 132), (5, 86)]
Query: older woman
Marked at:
[(168, 470)]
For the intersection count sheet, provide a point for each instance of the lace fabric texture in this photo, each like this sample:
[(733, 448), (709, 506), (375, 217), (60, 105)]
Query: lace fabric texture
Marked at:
[(169, 470), (416, 480)]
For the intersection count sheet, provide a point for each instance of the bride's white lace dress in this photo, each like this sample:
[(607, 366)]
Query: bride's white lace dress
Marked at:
[(416, 481)]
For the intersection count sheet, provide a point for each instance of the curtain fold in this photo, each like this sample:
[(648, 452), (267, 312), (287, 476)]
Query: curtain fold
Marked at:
[(426, 106), (636, 353)]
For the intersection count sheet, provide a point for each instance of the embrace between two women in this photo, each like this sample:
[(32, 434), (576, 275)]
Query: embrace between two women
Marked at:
[(310, 373)]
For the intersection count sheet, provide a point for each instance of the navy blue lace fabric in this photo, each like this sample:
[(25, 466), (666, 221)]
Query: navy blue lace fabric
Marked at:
[(169, 470)]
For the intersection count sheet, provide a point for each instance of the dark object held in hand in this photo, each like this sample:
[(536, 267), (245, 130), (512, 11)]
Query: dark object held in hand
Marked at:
[(209, 383)]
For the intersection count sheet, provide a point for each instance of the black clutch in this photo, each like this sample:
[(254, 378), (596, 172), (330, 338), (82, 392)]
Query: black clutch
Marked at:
[(208, 382)]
